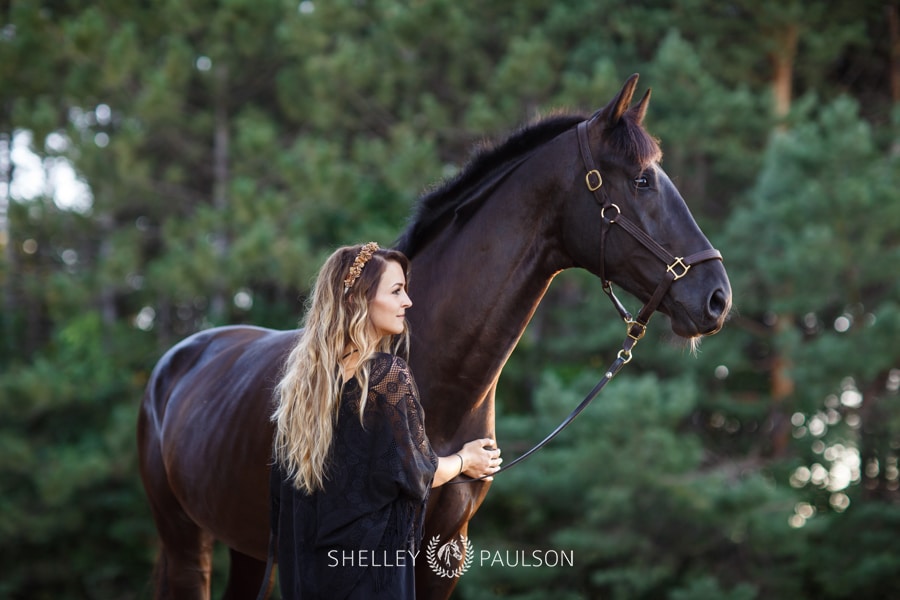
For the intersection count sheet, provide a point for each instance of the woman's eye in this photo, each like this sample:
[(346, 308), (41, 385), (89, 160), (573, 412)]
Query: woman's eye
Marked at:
[(641, 182)]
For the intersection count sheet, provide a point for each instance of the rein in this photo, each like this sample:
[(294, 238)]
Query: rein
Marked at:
[(676, 268)]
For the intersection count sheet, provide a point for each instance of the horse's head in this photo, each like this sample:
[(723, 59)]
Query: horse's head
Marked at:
[(622, 191), (449, 549)]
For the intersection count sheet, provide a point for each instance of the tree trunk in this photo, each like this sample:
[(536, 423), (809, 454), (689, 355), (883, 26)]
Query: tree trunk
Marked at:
[(783, 69), (892, 12), (781, 389), (782, 384), (221, 149), (9, 254)]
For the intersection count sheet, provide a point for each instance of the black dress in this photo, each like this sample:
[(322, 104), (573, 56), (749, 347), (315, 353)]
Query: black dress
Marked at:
[(358, 538)]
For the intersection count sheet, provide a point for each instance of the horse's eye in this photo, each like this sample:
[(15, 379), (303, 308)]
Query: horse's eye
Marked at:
[(641, 182)]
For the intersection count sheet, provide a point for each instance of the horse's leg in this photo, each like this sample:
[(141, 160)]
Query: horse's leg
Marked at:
[(245, 577), (184, 572), (449, 510), (184, 563)]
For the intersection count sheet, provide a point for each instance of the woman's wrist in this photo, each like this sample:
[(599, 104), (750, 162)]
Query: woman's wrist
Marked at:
[(461, 463)]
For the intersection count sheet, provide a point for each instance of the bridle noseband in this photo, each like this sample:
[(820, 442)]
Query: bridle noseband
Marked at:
[(676, 268)]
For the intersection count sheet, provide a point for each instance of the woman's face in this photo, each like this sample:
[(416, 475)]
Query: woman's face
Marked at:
[(387, 310)]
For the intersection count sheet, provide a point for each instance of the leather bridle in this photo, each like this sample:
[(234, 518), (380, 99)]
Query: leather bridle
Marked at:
[(676, 268)]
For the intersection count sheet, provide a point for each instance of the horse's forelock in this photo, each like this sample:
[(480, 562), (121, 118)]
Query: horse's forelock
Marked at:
[(629, 141)]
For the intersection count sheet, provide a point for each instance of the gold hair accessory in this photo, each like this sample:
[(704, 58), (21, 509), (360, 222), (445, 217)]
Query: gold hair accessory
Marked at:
[(365, 253)]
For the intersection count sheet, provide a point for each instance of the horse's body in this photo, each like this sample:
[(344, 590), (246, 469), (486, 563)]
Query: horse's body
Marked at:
[(484, 249)]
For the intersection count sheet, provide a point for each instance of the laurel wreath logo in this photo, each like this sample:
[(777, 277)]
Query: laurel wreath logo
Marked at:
[(443, 554)]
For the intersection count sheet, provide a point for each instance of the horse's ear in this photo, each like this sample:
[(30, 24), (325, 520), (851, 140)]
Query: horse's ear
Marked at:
[(610, 115), (639, 110)]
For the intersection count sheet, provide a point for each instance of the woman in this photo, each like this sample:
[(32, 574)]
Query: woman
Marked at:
[(353, 465)]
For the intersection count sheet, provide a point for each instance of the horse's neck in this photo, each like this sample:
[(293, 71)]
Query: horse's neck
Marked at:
[(482, 282)]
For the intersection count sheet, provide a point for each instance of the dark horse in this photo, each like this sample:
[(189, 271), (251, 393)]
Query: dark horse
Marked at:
[(484, 249)]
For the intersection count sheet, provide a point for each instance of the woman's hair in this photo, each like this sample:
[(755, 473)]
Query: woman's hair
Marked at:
[(308, 395)]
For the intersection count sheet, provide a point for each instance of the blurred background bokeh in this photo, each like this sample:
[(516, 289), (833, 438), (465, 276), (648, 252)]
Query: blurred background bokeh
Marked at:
[(171, 165)]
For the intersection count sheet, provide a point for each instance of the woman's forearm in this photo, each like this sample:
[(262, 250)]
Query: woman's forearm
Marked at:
[(448, 468)]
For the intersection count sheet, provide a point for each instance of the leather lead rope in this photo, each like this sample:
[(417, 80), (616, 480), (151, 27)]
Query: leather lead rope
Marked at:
[(621, 360)]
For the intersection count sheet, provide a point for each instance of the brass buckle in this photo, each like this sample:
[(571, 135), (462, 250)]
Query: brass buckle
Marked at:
[(630, 323), (590, 184), (678, 263)]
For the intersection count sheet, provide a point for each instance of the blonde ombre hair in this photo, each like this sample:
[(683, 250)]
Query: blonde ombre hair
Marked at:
[(309, 393)]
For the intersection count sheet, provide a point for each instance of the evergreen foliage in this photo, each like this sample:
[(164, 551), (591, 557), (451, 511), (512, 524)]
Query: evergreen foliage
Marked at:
[(226, 149)]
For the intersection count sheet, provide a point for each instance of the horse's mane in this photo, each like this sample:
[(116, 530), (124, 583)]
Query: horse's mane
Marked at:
[(441, 203), (491, 161)]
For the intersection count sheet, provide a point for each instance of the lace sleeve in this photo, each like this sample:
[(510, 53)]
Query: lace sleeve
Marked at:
[(412, 460)]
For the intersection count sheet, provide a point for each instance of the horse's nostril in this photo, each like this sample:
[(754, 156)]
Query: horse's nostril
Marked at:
[(718, 303)]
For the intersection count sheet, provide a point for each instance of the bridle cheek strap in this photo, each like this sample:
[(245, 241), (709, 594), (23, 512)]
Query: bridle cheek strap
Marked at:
[(676, 266)]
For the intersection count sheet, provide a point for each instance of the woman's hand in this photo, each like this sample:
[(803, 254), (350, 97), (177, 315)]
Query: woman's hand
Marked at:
[(480, 458)]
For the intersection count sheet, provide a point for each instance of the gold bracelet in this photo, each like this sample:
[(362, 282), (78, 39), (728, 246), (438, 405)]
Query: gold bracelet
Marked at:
[(461, 463)]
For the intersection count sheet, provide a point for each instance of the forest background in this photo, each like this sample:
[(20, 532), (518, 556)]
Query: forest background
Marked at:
[(221, 149)]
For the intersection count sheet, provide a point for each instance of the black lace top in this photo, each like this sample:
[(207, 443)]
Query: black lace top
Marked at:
[(378, 478)]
